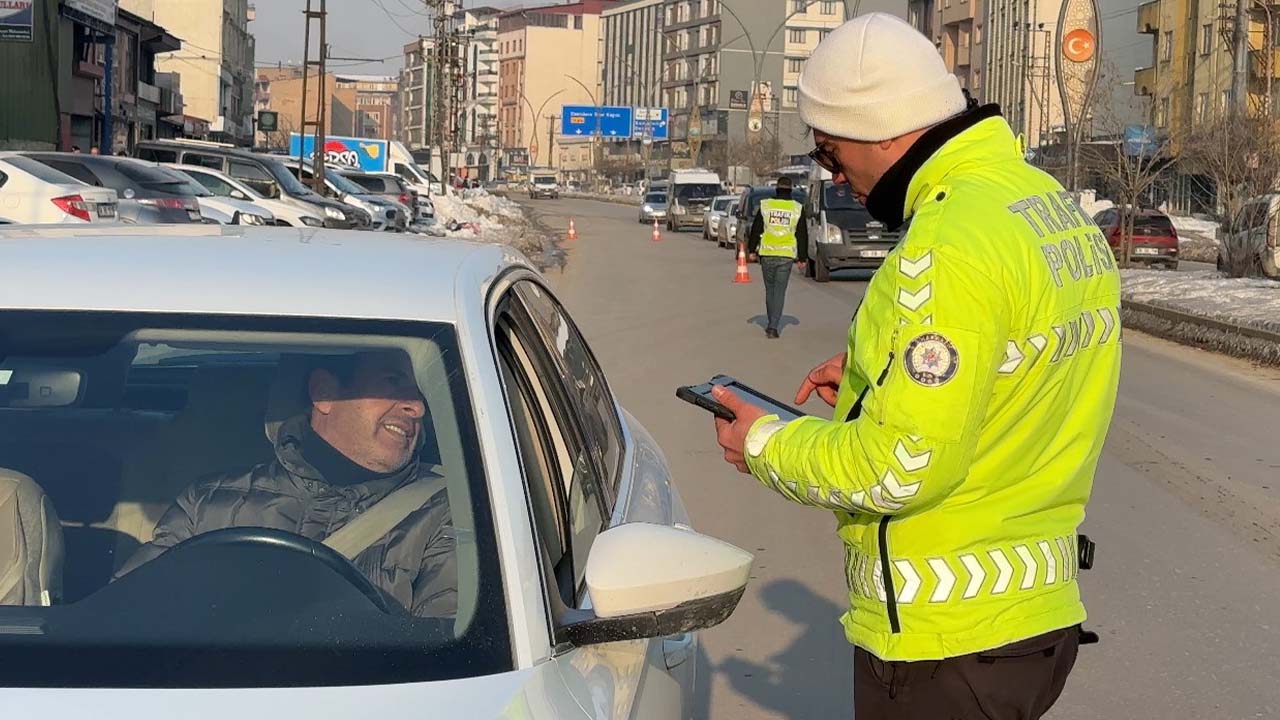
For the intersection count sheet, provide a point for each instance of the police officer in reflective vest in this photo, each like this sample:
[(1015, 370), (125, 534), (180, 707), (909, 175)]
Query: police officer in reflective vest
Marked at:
[(780, 236), (971, 403)]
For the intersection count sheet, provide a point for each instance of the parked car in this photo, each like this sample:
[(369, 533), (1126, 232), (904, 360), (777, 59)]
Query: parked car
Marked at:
[(1254, 236), (749, 205), (225, 186), (383, 215), (225, 211), (146, 194), (842, 234), (390, 186), (711, 220), (727, 230), (1155, 241), (654, 207), (577, 582), (266, 174), (34, 193)]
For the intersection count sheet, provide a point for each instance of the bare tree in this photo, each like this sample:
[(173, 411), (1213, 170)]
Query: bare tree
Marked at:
[(1129, 167), (1240, 156)]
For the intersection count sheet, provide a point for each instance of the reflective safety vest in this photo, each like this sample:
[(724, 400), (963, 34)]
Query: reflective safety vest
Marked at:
[(981, 378), (781, 218)]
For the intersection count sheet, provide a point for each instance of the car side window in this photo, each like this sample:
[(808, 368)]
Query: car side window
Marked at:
[(75, 170), (249, 171), (215, 185), (563, 482), (583, 382), (209, 161), (157, 155)]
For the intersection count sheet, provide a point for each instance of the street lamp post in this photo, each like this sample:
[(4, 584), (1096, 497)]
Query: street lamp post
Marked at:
[(596, 135), (533, 134)]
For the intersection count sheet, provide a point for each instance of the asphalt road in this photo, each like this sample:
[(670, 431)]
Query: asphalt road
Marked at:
[(1186, 508)]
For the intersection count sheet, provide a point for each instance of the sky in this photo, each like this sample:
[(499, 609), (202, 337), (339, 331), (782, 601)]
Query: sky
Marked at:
[(356, 29)]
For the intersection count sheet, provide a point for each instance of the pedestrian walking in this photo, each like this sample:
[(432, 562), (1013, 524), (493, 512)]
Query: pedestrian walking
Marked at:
[(971, 404), (780, 237)]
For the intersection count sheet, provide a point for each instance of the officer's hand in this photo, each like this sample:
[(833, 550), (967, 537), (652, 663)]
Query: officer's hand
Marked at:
[(825, 379), (732, 436)]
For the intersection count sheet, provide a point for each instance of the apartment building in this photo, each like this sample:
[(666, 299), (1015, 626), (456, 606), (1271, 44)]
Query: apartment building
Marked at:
[(1019, 65), (956, 28), (631, 71), (215, 63)]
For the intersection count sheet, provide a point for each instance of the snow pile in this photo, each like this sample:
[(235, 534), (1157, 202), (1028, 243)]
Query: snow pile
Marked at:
[(1242, 301), (480, 216)]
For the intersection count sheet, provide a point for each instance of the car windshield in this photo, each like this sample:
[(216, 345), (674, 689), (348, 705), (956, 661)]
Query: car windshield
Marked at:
[(720, 204), (154, 178), (697, 191), (193, 185), (658, 198), (290, 184), (210, 474), (41, 171), (1153, 225), (843, 209), (344, 184), (544, 179), (370, 183)]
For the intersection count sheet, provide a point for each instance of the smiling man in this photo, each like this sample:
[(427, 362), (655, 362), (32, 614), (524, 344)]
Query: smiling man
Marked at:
[(358, 443), (971, 403)]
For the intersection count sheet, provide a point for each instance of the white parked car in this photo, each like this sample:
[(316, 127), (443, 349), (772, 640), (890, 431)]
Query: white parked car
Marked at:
[(715, 213), (34, 193), (1254, 237), (559, 577), (225, 186), (727, 229), (224, 210)]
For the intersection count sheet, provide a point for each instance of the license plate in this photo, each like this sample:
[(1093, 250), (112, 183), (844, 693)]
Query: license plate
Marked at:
[(106, 211), (873, 253), (1146, 251)]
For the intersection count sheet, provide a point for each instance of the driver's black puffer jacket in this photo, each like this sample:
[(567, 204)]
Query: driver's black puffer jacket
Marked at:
[(414, 563)]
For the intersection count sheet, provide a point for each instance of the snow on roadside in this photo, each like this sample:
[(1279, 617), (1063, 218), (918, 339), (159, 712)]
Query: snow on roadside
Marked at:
[(484, 217), (1245, 301)]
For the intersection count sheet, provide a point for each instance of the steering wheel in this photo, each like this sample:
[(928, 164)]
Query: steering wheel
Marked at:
[(251, 537)]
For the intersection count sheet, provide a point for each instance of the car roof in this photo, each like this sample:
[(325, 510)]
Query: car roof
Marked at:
[(227, 269)]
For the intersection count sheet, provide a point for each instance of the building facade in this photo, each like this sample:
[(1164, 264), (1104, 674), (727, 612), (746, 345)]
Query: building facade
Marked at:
[(1019, 66), (631, 52), (375, 110), (956, 27), (548, 57), (87, 78)]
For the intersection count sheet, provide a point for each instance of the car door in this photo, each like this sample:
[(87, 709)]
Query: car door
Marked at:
[(574, 455)]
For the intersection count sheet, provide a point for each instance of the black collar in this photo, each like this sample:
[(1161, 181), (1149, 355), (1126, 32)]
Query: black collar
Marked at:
[(888, 199)]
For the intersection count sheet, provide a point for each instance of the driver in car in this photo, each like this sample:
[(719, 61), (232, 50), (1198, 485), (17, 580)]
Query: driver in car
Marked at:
[(359, 442)]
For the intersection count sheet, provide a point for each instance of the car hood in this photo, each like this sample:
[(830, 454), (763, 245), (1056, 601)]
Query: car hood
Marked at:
[(540, 692)]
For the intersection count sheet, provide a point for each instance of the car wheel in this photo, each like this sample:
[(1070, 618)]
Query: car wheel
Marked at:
[(821, 272)]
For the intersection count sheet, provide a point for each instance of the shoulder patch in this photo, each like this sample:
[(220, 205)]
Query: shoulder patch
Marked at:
[(931, 359)]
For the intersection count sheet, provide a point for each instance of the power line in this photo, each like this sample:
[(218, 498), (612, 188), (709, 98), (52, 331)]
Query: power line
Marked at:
[(393, 18)]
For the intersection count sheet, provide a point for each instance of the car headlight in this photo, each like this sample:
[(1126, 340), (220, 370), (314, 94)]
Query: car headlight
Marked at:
[(677, 210), (311, 222), (648, 208), (334, 213), (251, 219), (833, 235)]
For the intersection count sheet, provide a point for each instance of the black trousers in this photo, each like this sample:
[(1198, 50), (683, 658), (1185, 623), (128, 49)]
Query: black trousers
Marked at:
[(1020, 681)]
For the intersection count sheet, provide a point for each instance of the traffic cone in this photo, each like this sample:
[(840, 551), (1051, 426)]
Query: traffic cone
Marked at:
[(573, 231), (657, 235), (743, 275)]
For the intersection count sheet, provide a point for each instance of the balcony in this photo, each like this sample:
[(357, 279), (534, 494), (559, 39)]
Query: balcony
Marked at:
[(148, 92), (958, 11), (1149, 17), (1144, 81)]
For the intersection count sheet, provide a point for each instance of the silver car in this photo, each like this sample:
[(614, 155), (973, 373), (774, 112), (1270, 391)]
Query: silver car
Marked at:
[(715, 213), (653, 207), (167, 362)]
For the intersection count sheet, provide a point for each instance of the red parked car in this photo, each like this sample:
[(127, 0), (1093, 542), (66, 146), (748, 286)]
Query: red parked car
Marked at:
[(1155, 241)]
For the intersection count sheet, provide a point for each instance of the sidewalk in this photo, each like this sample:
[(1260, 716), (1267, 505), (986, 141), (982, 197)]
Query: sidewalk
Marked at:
[(1238, 316)]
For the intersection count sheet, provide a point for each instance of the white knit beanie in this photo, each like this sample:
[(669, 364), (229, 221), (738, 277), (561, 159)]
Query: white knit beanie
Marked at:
[(875, 78)]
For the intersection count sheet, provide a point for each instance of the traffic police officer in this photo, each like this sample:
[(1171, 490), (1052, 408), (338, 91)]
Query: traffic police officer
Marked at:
[(972, 403), (780, 236)]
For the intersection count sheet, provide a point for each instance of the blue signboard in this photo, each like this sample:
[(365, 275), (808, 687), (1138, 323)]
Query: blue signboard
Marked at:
[(1140, 141), (651, 123), (366, 154), (587, 120)]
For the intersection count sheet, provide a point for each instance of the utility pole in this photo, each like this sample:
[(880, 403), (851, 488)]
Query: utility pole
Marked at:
[(319, 17), (551, 138), (1240, 45), (440, 96)]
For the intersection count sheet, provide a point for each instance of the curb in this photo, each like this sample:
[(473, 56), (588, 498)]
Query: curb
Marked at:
[(1244, 341)]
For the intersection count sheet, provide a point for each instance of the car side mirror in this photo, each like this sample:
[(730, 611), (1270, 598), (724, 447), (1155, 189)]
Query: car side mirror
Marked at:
[(237, 195), (649, 581)]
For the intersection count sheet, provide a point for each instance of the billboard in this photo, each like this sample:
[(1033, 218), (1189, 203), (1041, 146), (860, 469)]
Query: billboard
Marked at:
[(104, 10), (367, 155), (1140, 141), (587, 120), (16, 20)]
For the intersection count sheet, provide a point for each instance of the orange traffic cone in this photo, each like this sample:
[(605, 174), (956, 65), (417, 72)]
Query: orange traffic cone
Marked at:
[(743, 275), (573, 231), (657, 235)]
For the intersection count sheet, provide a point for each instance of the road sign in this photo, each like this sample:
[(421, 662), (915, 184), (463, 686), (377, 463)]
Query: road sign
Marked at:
[(587, 120), (1140, 141), (651, 123), (268, 120)]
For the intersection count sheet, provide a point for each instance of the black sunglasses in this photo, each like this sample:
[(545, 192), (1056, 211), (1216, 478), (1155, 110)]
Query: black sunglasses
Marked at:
[(825, 159)]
